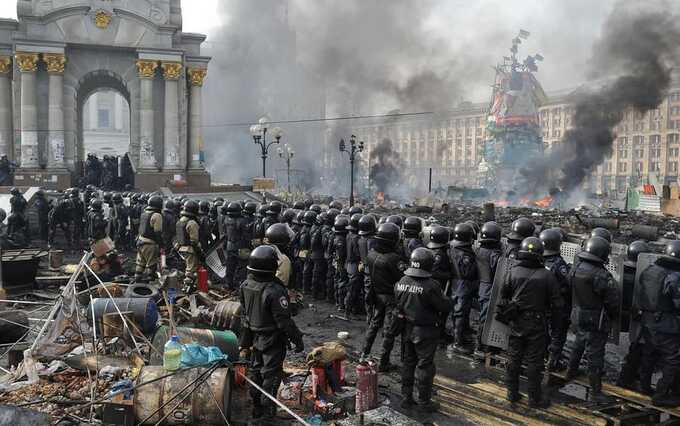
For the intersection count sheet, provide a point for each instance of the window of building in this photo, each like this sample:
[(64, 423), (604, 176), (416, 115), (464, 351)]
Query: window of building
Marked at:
[(557, 122), (673, 152), (639, 153), (622, 153), (608, 167), (673, 137), (103, 118), (556, 133), (639, 126), (655, 152), (638, 167), (622, 167), (638, 140), (673, 166), (655, 139), (654, 166)]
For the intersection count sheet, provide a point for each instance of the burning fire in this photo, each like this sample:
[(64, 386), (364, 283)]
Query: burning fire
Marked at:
[(544, 202)]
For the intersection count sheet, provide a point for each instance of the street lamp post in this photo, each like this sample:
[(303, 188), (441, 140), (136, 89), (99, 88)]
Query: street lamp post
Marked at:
[(287, 154), (259, 133), (354, 148)]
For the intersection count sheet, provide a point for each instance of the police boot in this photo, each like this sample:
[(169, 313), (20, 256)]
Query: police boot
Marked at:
[(664, 396), (512, 385), (572, 370), (425, 403), (407, 403), (596, 394), (536, 398)]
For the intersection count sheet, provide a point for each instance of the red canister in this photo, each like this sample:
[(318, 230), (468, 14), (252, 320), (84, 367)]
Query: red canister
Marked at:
[(367, 387), (202, 282)]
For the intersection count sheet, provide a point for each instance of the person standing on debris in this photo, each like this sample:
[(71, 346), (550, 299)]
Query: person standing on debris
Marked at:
[(384, 270), (317, 259), (657, 307), (17, 202), (595, 301), (366, 243), (42, 208), (339, 252), (150, 240), (353, 305), (231, 232), (304, 251), (60, 216), (421, 304), (534, 292), (188, 246), (120, 219), (97, 225), (464, 284), (519, 230), (559, 320), (266, 327), (487, 257), (631, 365), (413, 228)]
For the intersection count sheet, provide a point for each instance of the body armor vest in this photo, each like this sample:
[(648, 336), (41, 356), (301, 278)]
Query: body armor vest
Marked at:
[(583, 294), (145, 228), (257, 317), (181, 233)]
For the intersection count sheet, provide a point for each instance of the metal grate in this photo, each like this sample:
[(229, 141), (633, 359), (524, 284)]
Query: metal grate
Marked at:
[(215, 262)]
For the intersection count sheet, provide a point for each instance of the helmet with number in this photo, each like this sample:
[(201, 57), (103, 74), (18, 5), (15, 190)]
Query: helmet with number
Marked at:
[(354, 222), (413, 226), (355, 210), (275, 208), (288, 216), (14, 191), (422, 261), (597, 250), (169, 204), (367, 225), (439, 237), (278, 235), (396, 219), (552, 241), (263, 260), (602, 233), (299, 205), (335, 205), (389, 233), (315, 208), (521, 228), (321, 218), (531, 248), (463, 235), (634, 250), (490, 233), (190, 208), (341, 224), (299, 217), (344, 211), (250, 208), (672, 249), (234, 209), (309, 218), (204, 207), (331, 215), (96, 205), (156, 203), (117, 198)]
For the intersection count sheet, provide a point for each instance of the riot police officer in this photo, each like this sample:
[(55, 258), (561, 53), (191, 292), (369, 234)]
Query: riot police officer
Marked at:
[(298, 262), (367, 229), (204, 229), (266, 327), (595, 302), (421, 305), (278, 236), (657, 306), (464, 283), (317, 257), (42, 208), (441, 269), (631, 363), (329, 236), (304, 251), (17, 231), (383, 268), (487, 256), (519, 230), (602, 233), (188, 246), (150, 240), (534, 291), (169, 226), (77, 215), (136, 210), (413, 227), (60, 216), (96, 223), (559, 320), (120, 219), (339, 253), (231, 232), (353, 303), (17, 202)]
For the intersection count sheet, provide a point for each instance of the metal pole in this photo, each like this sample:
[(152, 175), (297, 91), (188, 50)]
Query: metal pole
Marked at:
[(429, 186), (288, 164), (351, 178), (264, 163)]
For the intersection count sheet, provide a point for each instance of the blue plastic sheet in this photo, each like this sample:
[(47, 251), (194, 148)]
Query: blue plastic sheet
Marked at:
[(194, 354)]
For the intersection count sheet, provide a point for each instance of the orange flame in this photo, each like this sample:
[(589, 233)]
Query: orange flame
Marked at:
[(544, 202)]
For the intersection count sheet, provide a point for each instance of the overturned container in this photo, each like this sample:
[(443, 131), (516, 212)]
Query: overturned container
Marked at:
[(226, 341), (144, 311)]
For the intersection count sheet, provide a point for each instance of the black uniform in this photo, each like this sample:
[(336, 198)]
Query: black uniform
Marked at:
[(318, 262), (421, 305), (595, 305), (487, 260), (18, 204), (658, 310), (231, 232), (341, 281), (304, 255), (409, 244), (169, 230), (78, 216), (96, 226), (383, 265), (464, 284), (42, 207), (528, 331), (559, 320), (631, 363), (328, 256), (267, 327), (119, 224), (356, 278), (135, 211), (366, 244), (60, 216)]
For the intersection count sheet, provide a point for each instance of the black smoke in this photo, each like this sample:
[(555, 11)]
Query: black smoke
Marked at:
[(386, 165), (632, 62)]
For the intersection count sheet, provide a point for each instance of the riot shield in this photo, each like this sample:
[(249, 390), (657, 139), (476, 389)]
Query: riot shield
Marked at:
[(645, 260), (215, 259), (495, 333)]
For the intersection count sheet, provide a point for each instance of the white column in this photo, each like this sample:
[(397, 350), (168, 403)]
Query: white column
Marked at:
[(147, 156), (5, 106), (196, 76), (94, 116), (118, 111), (28, 65), (55, 140), (171, 153)]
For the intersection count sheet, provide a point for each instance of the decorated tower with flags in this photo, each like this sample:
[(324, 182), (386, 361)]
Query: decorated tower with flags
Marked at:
[(513, 127)]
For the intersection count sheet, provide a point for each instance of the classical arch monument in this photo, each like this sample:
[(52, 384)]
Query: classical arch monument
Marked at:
[(59, 52)]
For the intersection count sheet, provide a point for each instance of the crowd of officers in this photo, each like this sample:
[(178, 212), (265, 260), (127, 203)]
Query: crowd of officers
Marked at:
[(422, 290)]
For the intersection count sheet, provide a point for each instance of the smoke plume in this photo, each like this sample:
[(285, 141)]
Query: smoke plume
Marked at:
[(632, 62), (385, 166)]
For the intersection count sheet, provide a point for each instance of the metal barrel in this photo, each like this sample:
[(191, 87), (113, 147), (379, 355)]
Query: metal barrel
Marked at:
[(645, 232), (225, 340), (144, 311), (489, 212), (227, 316), (201, 407), (56, 258), (602, 222)]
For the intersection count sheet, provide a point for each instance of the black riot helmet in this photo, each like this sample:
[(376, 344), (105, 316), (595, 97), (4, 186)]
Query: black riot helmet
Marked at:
[(156, 203), (389, 233), (531, 248), (633, 251), (169, 204), (382, 219), (309, 218), (355, 210), (234, 209), (299, 217), (107, 197), (354, 222), (475, 228), (331, 214), (288, 216), (602, 233), (250, 208), (521, 228), (278, 235), (96, 205), (396, 219), (190, 208), (672, 249), (439, 237), (275, 208), (463, 235), (341, 224), (321, 218), (218, 199), (490, 233), (299, 205), (367, 225), (315, 208), (14, 191), (262, 210), (597, 250), (422, 261), (344, 211), (263, 260), (552, 241), (117, 198), (413, 226), (335, 205), (40, 193), (204, 207)]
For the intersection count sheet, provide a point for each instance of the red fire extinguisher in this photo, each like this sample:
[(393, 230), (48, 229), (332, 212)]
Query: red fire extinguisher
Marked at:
[(202, 279), (367, 387)]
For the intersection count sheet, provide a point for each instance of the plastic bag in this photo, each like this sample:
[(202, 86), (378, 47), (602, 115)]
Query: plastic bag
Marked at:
[(194, 354)]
